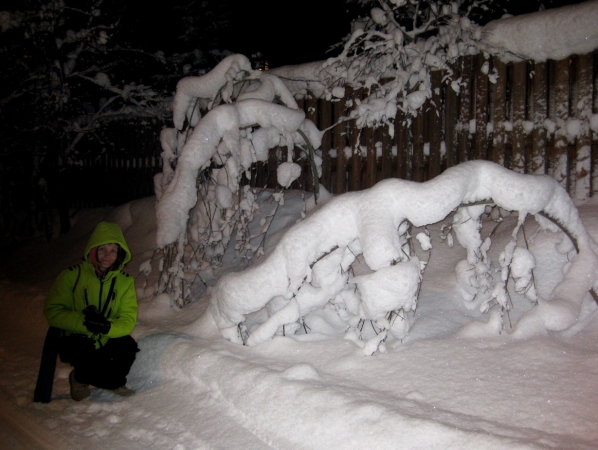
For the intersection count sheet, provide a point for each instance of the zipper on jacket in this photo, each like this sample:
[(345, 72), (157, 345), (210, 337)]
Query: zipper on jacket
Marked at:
[(111, 296), (100, 298)]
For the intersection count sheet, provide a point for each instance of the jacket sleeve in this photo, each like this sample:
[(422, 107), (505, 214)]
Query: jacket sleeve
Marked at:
[(123, 322), (60, 307)]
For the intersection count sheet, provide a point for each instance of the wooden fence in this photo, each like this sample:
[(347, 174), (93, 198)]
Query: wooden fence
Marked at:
[(535, 118), (112, 180), (123, 173)]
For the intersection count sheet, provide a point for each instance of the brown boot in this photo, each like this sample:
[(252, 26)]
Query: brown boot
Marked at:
[(79, 391), (123, 391)]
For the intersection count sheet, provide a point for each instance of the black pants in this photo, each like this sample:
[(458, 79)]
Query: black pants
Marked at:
[(106, 367)]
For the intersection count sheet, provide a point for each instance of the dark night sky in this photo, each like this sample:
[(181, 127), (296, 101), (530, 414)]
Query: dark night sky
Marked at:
[(284, 32), (288, 32)]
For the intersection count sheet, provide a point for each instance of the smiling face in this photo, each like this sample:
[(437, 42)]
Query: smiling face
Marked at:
[(107, 255)]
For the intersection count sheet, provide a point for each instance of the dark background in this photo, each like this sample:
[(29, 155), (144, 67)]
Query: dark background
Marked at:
[(283, 32)]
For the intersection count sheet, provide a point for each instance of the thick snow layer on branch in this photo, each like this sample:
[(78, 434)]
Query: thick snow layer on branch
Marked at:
[(266, 115), (310, 77), (549, 34), (367, 222), (172, 210), (219, 79), (269, 88), (220, 127), (388, 289), (287, 172)]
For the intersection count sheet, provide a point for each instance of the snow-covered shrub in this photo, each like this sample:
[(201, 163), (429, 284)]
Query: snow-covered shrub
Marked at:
[(309, 270)]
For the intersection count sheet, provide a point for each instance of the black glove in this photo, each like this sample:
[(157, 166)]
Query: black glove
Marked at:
[(95, 321)]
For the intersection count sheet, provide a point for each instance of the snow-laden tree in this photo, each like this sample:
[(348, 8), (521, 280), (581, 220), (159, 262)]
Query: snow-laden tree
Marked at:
[(249, 112), (387, 59)]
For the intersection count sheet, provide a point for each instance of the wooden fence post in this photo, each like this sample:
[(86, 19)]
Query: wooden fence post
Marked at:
[(518, 102), (559, 161), (354, 139), (272, 181), (434, 125), (499, 92), (340, 142), (368, 140), (402, 141), (355, 175), (417, 127), (325, 122), (311, 113), (386, 169), (463, 141), (480, 98), (537, 160), (583, 111), (451, 117), (300, 158)]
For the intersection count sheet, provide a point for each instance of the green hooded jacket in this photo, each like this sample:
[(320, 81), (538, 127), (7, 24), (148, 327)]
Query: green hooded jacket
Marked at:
[(79, 286)]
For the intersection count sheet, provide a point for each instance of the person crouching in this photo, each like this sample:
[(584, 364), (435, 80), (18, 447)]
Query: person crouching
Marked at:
[(94, 303)]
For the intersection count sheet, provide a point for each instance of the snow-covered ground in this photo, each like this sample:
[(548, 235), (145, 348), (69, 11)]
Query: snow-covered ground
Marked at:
[(449, 384)]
